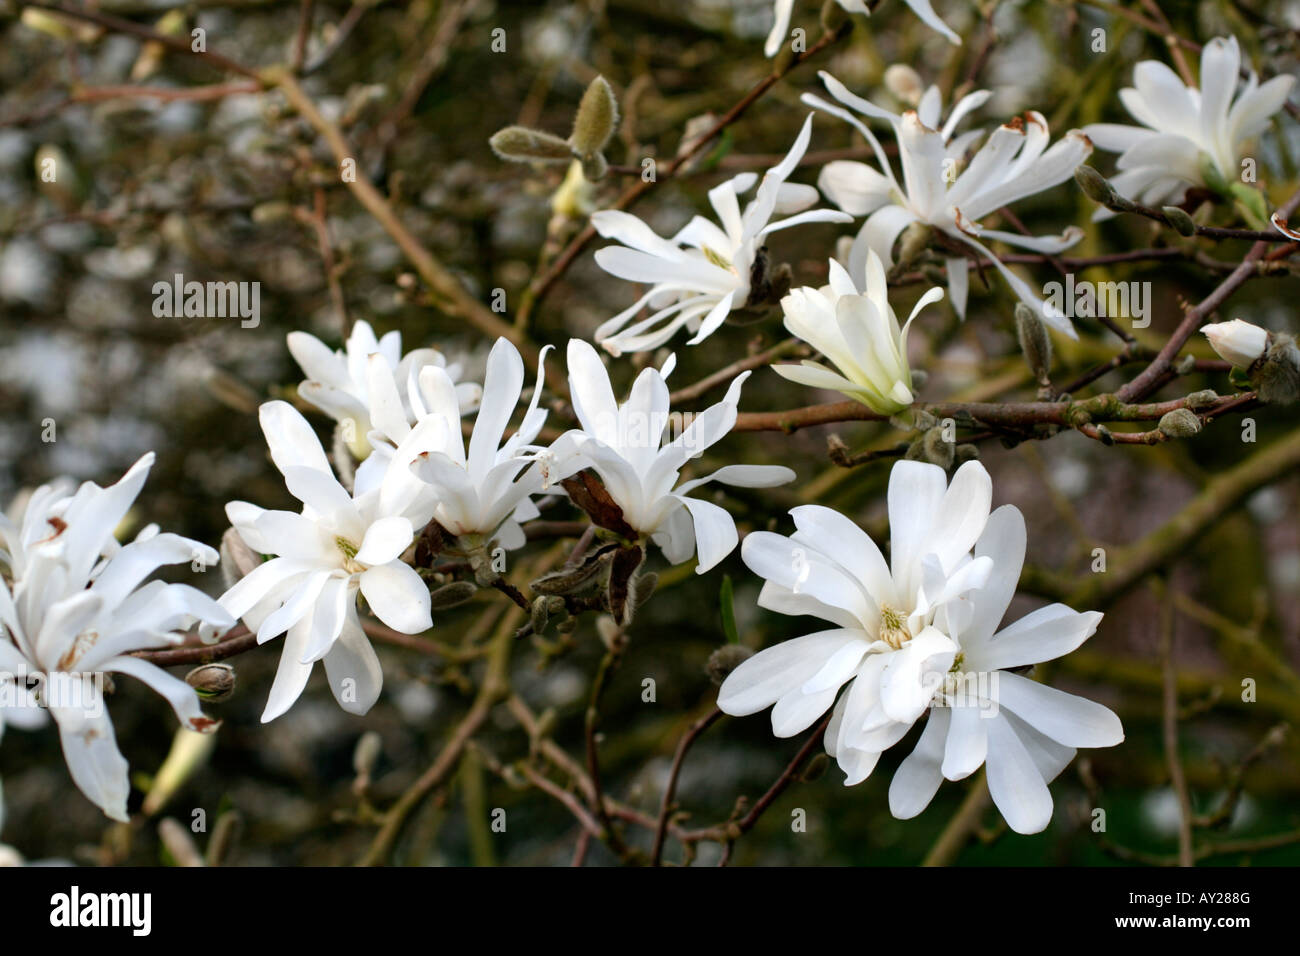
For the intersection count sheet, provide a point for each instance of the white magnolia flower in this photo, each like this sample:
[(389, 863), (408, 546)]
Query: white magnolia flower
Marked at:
[(781, 28), (340, 544), (705, 271), (483, 494), (77, 610), (338, 383), (851, 322), (894, 621), (937, 190), (1237, 341), (1025, 732), (1184, 128), (624, 444)]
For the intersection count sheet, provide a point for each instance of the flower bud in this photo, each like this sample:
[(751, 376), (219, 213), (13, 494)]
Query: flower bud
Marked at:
[(596, 119), (212, 682), (1237, 342), (519, 144), (905, 83), (1201, 399), (725, 660), (1179, 221), (1035, 343), (1180, 423), (1096, 186)]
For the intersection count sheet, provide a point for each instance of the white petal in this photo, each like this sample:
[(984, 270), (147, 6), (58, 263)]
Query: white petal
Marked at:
[(398, 596), (385, 541), (918, 777)]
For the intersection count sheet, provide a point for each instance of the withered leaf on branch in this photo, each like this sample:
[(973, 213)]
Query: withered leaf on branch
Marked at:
[(590, 495), (429, 544)]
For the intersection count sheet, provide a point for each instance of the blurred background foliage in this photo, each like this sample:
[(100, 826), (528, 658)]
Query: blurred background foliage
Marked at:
[(224, 190)]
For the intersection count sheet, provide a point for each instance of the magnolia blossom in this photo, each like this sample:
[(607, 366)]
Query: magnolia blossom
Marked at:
[(944, 657), (624, 444), (781, 28), (484, 494), (894, 620), (1025, 732), (938, 190), (1183, 130), (1237, 341), (339, 545), (851, 322), (76, 611), (339, 383), (705, 271)]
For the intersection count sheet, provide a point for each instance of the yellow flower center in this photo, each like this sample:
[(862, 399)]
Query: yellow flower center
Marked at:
[(893, 627), (349, 550)]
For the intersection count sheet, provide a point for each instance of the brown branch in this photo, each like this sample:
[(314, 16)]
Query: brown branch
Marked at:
[(455, 299), (542, 284), (670, 790), (175, 44)]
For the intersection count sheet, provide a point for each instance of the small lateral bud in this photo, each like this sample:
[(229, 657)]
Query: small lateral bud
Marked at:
[(1179, 221), (519, 144), (725, 660), (212, 682), (1180, 423), (1202, 399), (1035, 343), (1095, 186), (451, 595), (596, 119)]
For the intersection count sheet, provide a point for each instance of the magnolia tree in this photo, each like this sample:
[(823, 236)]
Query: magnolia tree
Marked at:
[(650, 406)]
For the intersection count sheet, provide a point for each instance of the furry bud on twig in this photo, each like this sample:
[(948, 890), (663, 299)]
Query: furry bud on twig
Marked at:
[(1096, 186), (1180, 423), (1277, 377), (596, 119), (1201, 399), (451, 595), (1035, 343), (519, 144)]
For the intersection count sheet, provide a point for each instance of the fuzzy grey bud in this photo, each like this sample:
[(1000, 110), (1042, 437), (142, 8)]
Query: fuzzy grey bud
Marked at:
[(1202, 399), (1179, 221), (1277, 376), (1035, 342), (596, 119), (451, 595), (725, 660), (519, 144), (1180, 423)]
